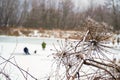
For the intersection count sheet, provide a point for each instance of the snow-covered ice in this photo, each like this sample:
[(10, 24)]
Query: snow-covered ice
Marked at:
[(39, 64)]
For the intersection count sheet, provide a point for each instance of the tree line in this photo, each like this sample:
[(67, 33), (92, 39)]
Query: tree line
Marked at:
[(60, 14)]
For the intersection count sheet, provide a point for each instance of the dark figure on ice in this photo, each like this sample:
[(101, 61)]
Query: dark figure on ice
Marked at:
[(35, 51), (118, 41), (26, 51), (43, 45)]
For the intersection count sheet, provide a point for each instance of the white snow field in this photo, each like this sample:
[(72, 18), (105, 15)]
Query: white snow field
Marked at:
[(39, 64)]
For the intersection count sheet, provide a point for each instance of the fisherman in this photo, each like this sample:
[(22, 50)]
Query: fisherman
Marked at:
[(118, 41), (26, 51), (43, 45), (35, 51)]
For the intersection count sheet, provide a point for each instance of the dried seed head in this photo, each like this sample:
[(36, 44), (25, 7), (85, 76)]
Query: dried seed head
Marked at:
[(93, 42), (80, 56)]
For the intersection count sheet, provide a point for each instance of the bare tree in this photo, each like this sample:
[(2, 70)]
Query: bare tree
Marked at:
[(67, 8), (22, 16), (115, 12), (8, 12), (32, 17)]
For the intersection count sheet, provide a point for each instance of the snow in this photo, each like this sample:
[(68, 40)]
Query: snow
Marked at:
[(39, 65)]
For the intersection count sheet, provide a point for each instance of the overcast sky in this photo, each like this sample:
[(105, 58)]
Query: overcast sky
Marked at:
[(83, 4)]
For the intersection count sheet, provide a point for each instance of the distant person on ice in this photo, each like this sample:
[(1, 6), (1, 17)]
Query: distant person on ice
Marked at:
[(26, 51), (43, 45)]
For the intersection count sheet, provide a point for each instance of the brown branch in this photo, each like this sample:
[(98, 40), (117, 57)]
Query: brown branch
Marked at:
[(105, 64), (19, 68), (6, 75), (82, 61), (92, 64), (5, 61)]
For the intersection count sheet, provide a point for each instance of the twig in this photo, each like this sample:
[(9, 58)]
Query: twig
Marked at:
[(19, 68), (6, 75), (82, 61), (92, 64)]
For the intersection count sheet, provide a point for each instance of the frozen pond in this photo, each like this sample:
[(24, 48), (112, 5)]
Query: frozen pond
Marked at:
[(38, 64), (15, 45)]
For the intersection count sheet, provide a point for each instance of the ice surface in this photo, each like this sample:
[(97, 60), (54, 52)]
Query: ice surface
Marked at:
[(38, 64)]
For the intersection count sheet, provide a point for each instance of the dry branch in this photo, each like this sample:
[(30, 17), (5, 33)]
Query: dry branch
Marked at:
[(99, 67), (21, 70), (91, 50)]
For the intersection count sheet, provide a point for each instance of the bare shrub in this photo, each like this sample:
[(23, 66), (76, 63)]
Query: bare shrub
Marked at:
[(87, 58)]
